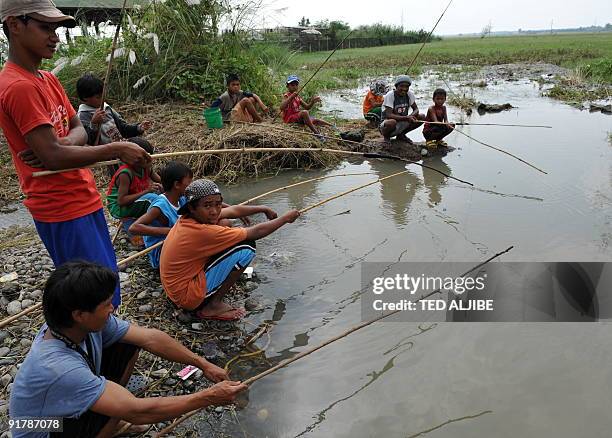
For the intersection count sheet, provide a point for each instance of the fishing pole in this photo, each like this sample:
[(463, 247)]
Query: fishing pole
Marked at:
[(110, 66), (305, 353), (489, 124), (297, 93), (428, 36)]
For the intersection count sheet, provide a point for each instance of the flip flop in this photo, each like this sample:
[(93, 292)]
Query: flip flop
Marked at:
[(220, 316)]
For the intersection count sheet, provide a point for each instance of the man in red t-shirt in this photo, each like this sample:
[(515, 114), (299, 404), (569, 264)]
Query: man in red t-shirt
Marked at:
[(43, 131)]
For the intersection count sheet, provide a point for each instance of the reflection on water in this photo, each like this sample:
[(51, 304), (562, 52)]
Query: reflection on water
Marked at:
[(382, 381)]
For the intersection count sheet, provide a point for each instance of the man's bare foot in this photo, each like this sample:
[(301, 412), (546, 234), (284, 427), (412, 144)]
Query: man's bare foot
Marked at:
[(124, 428), (221, 311)]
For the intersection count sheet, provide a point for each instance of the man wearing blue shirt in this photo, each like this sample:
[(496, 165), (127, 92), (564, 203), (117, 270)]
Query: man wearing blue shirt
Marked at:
[(83, 356)]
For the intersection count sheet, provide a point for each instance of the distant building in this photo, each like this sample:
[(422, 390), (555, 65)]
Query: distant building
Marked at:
[(99, 12)]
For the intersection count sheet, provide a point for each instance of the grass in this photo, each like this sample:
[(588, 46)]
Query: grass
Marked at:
[(591, 53)]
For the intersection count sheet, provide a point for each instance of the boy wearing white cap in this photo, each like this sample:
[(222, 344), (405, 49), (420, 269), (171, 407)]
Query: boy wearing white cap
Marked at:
[(42, 130)]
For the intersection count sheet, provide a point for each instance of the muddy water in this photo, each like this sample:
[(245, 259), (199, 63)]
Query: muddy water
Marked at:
[(459, 380)]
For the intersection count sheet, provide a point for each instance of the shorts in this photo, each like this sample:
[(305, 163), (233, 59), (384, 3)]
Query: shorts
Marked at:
[(400, 128), (293, 118), (374, 115), (221, 265), (115, 360)]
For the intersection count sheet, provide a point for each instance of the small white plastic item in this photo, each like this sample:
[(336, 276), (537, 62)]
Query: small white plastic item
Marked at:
[(187, 372), (249, 272)]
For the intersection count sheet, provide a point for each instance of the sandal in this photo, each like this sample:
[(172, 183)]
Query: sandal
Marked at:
[(431, 144)]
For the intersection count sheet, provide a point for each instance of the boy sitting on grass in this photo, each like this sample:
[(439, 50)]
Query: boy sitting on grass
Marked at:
[(162, 214), (133, 188), (292, 104), (437, 113), (201, 260), (238, 105), (113, 126)]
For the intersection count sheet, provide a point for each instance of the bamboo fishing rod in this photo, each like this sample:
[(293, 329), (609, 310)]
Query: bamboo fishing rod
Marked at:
[(305, 353), (318, 69), (110, 66), (428, 37), (503, 152), (489, 124), (254, 150), (145, 251), (363, 154)]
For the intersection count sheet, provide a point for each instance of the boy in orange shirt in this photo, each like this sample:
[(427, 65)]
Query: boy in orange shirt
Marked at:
[(43, 131), (201, 260), (372, 103)]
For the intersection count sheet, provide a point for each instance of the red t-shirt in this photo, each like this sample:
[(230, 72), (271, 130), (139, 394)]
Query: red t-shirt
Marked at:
[(291, 109), (27, 102)]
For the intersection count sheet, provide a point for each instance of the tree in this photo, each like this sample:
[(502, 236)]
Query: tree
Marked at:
[(486, 30), (304, 22)]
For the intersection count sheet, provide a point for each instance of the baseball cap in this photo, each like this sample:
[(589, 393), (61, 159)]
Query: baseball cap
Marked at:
[(293, 78), (41, 10), (403, 78), (198, 189)]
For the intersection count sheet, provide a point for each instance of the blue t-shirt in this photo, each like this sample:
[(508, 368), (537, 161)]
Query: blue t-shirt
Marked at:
[(55, 381), (171, 213)]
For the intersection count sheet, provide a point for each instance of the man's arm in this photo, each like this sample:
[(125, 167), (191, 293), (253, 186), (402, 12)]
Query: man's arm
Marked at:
[(262, 106), (124, 198), (240, 211), (266, 228), (389, 114), (312, 102), (77, 136), (55, 156), (162, 345), (415, 111), (118, 402), (126, 129), (142, 226)]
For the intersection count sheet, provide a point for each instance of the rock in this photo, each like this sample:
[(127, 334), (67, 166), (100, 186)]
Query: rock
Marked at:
[(353, 135), (4, 351), (3, 302), (197, 326), (218, 409), (424, 152), (492, 108), (606, 109), (145, 308), (13, 307), (141, 296), (37, 294), (8, 361), (159, 373), (26, 343), (251, 304), (124, 277), (171, 382), (262, 414), (26, 303), (198, 374), (184, 317), (250, 286), (3, 407), (211, 352), (13, 371), (156, 294), (5, 380)]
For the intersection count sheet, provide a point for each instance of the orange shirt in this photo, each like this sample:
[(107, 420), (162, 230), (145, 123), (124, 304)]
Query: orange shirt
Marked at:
[(27, 102), (372, 101), (185, 253)]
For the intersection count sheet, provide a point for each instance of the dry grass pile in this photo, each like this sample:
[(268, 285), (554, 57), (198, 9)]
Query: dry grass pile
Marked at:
[(180, 127)]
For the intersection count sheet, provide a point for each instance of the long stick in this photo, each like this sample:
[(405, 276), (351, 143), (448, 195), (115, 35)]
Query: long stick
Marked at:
[(250, 150), (363, 154), (339, 195), (428, 36), (324, 344), (145, 251), (24, 312), (318, 69), (490, 124), (110, 66), (502, 151)]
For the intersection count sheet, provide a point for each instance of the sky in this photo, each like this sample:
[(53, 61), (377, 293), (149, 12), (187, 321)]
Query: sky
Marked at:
[(463, 16)]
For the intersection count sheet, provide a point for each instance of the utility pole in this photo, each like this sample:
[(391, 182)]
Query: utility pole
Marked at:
[(402, 21)]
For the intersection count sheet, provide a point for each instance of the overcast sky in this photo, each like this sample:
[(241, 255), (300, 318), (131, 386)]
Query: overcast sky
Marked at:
[(464, 16)]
